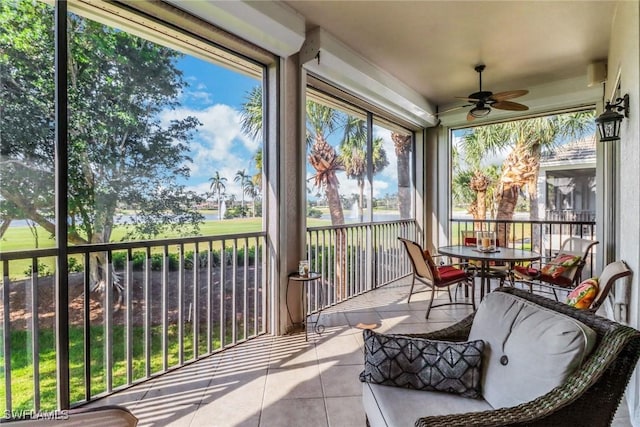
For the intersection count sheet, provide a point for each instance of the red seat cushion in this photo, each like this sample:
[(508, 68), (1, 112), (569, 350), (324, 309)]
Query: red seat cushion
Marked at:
[(450, 274), (561, 281), (532, 273)]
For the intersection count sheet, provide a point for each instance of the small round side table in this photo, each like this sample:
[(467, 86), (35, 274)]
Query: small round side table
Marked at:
[(306, 281)]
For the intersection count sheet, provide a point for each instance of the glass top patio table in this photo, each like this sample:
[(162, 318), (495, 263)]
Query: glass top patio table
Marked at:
[(508, 255)]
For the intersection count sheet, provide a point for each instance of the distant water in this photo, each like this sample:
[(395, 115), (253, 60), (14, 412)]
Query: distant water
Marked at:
[(349, 219), (119, 219)]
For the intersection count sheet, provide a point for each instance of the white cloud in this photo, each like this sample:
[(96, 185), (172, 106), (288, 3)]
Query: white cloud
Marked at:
[(200, 188), (380, 188), (218, 142), (199, 96), (348, 186)]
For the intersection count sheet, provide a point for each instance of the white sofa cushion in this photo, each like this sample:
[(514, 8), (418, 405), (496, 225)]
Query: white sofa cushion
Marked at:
[(528, 350), (388, 406)]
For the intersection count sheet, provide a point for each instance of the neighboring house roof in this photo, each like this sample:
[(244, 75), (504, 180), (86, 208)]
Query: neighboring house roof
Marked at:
[(581, 151)]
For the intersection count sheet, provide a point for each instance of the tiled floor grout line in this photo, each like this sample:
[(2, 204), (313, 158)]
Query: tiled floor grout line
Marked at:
[(266, 376)]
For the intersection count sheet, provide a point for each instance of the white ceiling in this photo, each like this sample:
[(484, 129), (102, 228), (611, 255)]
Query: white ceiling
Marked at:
[(433, 46)]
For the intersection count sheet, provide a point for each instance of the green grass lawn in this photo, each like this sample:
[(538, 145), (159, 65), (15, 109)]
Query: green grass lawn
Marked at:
[(516, 233), (22, 238), (22, 379)]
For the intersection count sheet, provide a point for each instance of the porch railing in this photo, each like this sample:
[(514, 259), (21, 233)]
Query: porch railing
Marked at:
[(569, 215), (541, 236), (354, 259), (137, 310)]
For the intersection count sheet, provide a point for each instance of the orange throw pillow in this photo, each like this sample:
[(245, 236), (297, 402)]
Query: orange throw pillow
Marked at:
[(583, 295)]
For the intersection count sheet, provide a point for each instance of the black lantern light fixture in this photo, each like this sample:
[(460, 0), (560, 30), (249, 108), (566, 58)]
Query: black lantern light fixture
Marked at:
[(609, 121)]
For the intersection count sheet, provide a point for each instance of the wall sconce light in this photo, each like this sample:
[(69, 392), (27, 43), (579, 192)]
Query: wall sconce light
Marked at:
[(609, 121)]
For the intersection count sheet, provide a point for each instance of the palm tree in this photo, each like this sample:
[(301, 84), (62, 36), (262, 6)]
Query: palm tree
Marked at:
[(321, 122), (475, 178), (242, 177), (250, 189), (218, 187), (257, 177), (251, 122), (353, 154), (402, 145), (520, 169), (479, 184), (461, 193), (251, 114)]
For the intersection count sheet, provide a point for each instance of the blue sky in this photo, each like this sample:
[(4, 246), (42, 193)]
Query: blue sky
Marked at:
[(215, 96)]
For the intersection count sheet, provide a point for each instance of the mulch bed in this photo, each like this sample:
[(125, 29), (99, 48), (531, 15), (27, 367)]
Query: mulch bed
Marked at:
[(21, 313)]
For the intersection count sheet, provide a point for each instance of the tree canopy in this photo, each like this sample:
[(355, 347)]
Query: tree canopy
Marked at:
[(121, 154), (525, 140)]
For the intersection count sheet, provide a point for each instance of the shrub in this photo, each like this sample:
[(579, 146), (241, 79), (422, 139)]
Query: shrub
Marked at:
[(43, 270), (236, 212), (74, 266), (138, 259), (314, 213)]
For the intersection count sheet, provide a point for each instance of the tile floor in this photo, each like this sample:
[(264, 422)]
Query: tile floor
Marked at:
[(285, 381)]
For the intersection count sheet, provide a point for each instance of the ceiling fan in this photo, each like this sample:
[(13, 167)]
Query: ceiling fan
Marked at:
[(483, 101)]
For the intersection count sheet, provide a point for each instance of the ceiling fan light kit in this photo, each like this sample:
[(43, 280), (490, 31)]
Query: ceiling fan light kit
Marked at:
[(480, 111)]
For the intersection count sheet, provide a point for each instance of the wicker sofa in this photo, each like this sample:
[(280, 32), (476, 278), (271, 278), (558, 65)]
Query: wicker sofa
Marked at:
[(589, 396)]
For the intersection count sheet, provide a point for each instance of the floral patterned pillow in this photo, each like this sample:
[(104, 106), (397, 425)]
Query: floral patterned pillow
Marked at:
[(560, 264), (583, 295)]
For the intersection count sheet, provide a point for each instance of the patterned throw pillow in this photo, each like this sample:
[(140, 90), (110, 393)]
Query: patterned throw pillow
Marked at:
[(560, 264), (422, 364), (582, 296)]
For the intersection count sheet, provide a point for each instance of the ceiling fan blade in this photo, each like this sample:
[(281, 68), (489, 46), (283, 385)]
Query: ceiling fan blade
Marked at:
[(510, 94), (508, 105), (468, 99), (453, 109)]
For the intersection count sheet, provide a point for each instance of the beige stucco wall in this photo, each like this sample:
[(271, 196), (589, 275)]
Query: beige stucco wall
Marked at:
[(624, 58)]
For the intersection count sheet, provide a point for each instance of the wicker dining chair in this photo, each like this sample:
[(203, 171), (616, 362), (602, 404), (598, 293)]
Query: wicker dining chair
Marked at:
[(435, 277)]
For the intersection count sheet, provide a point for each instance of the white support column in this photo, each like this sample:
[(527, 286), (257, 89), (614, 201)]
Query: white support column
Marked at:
[(291, 203), (436, 187), (421, 166)]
